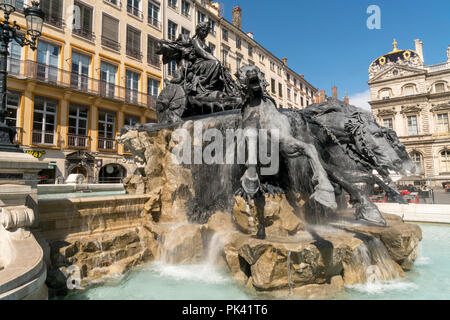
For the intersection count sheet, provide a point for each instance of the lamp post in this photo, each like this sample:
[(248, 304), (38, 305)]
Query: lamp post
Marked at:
[(8, 32)]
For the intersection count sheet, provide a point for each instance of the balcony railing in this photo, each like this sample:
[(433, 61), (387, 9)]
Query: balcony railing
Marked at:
[(154, 22), (87, 34), (154, 60), (54, 20), (65, 79), (112, 44), (77, 141), (134, 11), (106, 144), (137, 54), (117, 3), (43, 137)]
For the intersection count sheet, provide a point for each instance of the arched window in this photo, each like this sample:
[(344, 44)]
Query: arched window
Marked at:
[(385, 93), (409, 89), (439, 87), (444, 161), (416, 157)]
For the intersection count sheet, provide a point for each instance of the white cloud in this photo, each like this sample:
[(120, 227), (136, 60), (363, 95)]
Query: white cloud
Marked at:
[(361, 100)]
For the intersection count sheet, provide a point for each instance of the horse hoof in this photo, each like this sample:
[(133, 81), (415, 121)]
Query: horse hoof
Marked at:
[(325, 198)]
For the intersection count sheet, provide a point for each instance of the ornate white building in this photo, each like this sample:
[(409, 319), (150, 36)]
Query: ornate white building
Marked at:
[(414, 100)]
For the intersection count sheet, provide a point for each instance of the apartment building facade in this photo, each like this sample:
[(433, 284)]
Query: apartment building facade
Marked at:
[(414, 100), (95, 70)]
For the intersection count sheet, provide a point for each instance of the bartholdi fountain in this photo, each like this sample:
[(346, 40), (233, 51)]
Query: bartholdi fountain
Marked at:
[(226, 176), (282, 229)]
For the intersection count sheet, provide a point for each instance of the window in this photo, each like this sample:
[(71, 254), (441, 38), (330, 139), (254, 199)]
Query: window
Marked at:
[(133, 7), (385, 94), (83, 26), (295, 97), (185, 8), (408, 90), (295, 82), (412, 126), (152, 91), (445, 161), (172, 67), (80, 71), (172, 30), (442, 123), (212, 26), (12, 106), (439, 87), (280, 90), (250, 50), (153, 14), (131, 120), (53, 10), (416, 157), (153, 87), (225, 34), (261, 57), (224, 57), (15, 55), (238, 63), (44, 120), (78, 125), (110, 32), (47, 61), (185, 32), (132, 86), (289, 93), (238, 42), (279, 70), (134, 43), (288, 77), (301, 101), (201, 17), (172, 3), (388, 123), (108, 79), (212, 48), (152, 57), (106, 130), (273, 86)]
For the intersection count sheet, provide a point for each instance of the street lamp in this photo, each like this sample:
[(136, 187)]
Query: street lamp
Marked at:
[(8, 32)]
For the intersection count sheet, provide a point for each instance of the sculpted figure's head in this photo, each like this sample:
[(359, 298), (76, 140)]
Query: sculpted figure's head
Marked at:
[(202, 30), (251, 80)]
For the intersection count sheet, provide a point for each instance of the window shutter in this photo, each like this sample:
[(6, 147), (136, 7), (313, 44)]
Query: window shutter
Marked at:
[(110, 27)]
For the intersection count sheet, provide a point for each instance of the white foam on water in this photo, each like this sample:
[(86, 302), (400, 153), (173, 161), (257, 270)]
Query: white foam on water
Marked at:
[(206, 273), (422, 261), (378, 287)]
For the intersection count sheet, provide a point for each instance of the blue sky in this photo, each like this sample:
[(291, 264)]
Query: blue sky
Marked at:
[(328, 40)]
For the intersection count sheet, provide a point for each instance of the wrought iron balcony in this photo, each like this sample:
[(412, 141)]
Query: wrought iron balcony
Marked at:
[(154, 60), (106, 144), (137, 54), (31, 70), (112, 44), (54, 20), (87, 34), (43, 137), (154, 22), (77, 141), (134, 11)]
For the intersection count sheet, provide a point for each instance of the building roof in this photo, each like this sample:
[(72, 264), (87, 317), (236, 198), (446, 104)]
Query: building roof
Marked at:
[(394, 56)]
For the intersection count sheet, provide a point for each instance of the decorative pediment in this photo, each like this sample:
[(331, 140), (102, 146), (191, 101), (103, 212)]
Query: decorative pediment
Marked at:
[(440, 107), (386, 112), (80, 154), (411, 109), (393, 71)]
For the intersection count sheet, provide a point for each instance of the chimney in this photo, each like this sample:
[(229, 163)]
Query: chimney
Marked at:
[(419, 49), (284, 61), (237, 17), (250, 34), (334, 92), (322, 96), (346, 99), (448, 53), (316, 97)]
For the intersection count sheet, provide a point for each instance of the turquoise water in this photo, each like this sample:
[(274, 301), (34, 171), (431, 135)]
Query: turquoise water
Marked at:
[(80, 195), (430, 279)]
